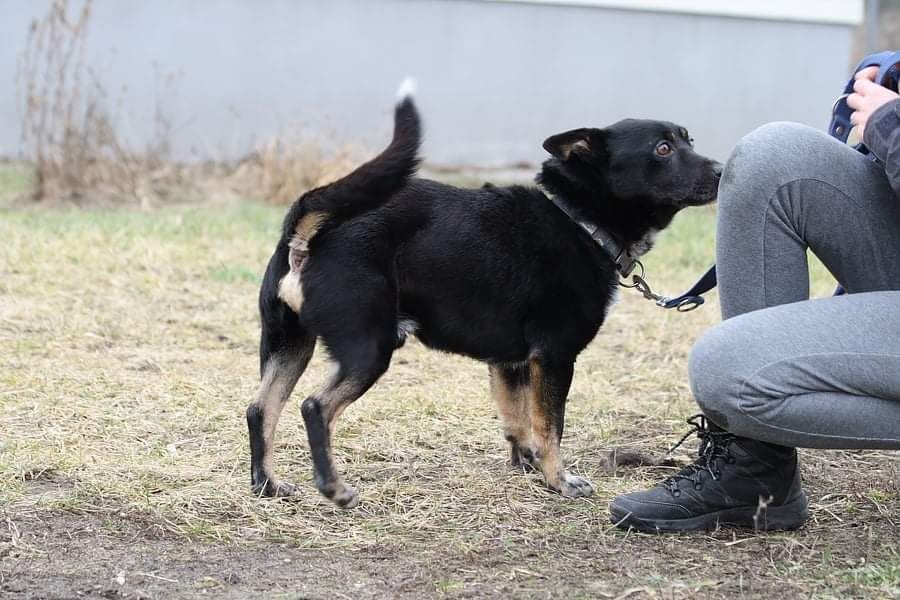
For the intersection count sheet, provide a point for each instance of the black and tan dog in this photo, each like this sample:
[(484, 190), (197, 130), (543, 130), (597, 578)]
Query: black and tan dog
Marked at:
[(505, 275)]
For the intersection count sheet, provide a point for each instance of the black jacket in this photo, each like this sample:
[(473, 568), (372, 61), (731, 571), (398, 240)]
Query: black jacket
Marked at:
[(882, 137)]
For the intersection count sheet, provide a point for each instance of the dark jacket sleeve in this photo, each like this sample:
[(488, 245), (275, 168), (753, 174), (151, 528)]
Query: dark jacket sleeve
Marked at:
[(882, 137)]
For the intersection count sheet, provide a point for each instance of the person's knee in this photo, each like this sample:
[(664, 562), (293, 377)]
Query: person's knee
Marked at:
[(715, 377), (764, 145), (756, 166)]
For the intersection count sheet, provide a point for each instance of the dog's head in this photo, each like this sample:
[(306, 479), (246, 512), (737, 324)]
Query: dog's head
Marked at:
[(649, 164)]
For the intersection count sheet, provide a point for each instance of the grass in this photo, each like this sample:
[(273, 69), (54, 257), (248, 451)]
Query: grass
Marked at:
[(129, 354), (15, 182)]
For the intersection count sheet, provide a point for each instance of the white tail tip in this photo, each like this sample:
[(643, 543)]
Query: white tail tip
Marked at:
[(407, 88)]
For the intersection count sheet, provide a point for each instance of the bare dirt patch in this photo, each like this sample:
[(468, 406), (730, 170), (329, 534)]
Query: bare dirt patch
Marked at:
[(119, 555)]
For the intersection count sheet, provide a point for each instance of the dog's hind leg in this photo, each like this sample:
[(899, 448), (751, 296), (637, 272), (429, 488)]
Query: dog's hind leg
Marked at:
[(509, 384), (359, 365), (280, 372), (284, 351), (548, 387)]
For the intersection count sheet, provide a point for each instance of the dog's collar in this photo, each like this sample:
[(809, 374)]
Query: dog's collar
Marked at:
[(625, 262)]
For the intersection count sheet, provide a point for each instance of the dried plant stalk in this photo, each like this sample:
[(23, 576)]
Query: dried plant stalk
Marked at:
[(70, 134)]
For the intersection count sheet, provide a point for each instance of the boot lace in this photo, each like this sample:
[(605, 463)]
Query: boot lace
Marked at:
[(714, 447)]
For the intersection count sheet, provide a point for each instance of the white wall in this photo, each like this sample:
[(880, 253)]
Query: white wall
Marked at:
[(495, 78)]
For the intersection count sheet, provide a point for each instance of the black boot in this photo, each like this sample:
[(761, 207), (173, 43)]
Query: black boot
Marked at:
[(734, 481)]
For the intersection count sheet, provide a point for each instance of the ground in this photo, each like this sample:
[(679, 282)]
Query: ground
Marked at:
[(128, 355)]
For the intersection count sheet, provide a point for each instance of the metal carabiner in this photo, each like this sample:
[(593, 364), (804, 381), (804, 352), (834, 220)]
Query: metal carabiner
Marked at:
[(644, 288), (680, 303), (689, 303), (635, 278)]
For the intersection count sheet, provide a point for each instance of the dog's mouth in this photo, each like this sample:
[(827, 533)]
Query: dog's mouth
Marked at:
[(700, 198), (705, 191)]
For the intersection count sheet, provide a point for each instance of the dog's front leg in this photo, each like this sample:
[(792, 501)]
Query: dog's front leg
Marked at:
[(509, 385), (548, 388)]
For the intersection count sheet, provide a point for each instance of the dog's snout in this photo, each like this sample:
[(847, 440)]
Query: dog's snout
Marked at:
[(717, 168)]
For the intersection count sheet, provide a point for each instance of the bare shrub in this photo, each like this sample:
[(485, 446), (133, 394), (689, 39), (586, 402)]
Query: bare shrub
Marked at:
[(71, 136), (67, 120), (289, 164), (70, 123)]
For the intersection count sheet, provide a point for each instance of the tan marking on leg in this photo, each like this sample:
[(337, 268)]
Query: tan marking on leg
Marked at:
[(336, 400), (268, 399), (543, 434), (546, 437), (333, 400), (512, 406), (274, 390)]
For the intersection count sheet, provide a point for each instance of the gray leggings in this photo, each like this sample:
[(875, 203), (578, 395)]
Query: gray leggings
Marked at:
[(782, 368)]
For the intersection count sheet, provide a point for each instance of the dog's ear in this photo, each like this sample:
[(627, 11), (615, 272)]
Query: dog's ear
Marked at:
[(580, 141)]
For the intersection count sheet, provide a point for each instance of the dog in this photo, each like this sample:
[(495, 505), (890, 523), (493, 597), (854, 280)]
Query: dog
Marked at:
[(510, 276)]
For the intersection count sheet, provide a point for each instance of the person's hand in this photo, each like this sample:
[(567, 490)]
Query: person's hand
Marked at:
[(867, 97)]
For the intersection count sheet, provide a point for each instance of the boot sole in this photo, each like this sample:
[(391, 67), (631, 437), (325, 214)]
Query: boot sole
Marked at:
[(783, 517)]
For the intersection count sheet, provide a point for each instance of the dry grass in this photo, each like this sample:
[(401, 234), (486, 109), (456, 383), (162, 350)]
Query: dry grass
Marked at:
[(129, 354), (292, 162)]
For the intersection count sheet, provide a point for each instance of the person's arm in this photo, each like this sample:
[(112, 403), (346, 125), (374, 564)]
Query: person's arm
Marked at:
[(877, 118), (882, 137)]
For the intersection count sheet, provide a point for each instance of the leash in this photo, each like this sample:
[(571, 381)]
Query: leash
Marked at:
[(685, 302), (626, 264)]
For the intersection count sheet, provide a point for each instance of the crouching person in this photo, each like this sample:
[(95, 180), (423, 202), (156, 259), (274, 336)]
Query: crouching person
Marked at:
[(783, 371)]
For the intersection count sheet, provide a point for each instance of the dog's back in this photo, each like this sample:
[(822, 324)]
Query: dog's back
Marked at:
[(475, 267)]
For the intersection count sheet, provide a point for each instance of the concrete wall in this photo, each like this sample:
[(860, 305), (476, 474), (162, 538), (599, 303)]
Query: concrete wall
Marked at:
[(495, 78)]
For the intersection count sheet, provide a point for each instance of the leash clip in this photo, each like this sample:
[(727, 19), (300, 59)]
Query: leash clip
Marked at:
[(637, 280), (644, 288), (684, 303)]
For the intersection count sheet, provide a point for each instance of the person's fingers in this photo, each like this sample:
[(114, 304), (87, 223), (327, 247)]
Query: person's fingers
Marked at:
[(864, 86), (867, 96), (868, 73)]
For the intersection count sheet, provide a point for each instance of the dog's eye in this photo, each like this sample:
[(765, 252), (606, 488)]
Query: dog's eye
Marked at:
[(663, 149)]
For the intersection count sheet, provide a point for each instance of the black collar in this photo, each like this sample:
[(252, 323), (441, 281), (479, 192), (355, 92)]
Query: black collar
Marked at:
[(625, 262)]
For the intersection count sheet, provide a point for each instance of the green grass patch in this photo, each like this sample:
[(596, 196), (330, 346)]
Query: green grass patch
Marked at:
[(883, 575), (16, 180)]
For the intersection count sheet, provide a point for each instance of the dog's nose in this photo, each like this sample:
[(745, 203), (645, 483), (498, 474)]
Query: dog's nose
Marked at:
[(717, 169)]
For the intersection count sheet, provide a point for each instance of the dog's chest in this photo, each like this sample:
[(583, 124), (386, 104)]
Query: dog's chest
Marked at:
[(643, 245)]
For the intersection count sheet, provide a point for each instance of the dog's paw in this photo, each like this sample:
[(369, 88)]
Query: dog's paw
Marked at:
[(572, 486), (345, 496), (340, 493), (523, 466), (521, 459), (275, 489)]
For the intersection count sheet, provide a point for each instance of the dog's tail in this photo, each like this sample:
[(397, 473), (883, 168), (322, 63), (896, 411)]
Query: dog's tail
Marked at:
[(370, 184)]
